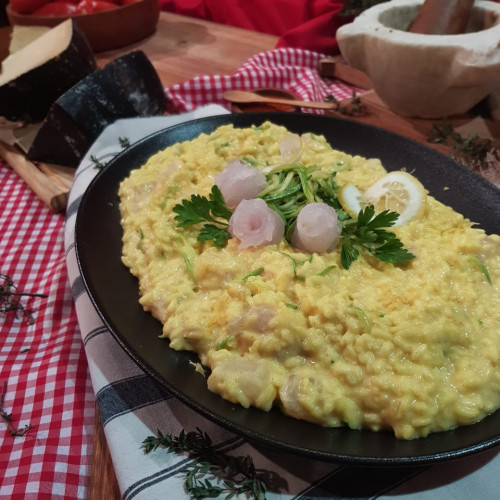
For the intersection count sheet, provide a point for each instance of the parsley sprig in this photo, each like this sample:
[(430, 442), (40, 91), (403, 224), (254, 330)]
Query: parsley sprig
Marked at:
[(212, 473), (368, 232), (211, 211)]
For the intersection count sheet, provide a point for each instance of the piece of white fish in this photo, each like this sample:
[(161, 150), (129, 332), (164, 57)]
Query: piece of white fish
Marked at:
[(255, 224), (291, 148), (317, 228), (239, 181)]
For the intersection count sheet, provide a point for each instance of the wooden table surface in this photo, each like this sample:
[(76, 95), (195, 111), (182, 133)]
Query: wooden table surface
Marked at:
[(185, 47)]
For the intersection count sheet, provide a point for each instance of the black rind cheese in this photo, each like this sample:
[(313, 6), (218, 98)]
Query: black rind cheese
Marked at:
[(29, 97), (126, 87)]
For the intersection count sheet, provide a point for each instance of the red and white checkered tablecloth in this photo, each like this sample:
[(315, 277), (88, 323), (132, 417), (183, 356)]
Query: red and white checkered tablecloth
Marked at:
[(42, 365), (291, 69)]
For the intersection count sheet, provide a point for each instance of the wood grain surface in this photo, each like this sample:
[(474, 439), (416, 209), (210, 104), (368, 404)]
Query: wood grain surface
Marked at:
[(183, 48), (103, 483)]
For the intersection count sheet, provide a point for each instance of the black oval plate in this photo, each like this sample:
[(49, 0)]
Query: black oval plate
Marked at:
[(114, 291)]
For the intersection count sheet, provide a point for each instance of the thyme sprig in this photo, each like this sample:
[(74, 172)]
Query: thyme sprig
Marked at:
[(7, 417), (472, 151), (354, 107), (211, 473), (100, 162), (10, 299)]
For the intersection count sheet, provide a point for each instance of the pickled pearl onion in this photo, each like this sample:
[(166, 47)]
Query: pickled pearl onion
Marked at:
[(317, 228), (255, 224), (239, 181), (291, 148)]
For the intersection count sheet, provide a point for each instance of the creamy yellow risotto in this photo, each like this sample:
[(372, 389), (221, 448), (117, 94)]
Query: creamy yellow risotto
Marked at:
[(330, 337)]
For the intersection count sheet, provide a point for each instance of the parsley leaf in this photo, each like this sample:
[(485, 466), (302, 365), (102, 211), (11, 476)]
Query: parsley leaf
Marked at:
[(210, 210), (212, 232), (369, 233)]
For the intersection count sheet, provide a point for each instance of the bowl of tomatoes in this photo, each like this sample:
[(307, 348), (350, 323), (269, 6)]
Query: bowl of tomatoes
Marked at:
[(107, 24)]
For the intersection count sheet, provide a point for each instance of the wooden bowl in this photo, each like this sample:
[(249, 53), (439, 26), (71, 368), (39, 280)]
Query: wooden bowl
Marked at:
[(106, 30)]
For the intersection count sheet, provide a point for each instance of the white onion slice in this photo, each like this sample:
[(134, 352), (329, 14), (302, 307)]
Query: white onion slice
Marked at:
[(255, 224), (239, 181), (317, 228)]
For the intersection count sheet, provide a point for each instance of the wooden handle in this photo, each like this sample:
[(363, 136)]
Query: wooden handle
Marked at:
[(442, 17), (52, 194), (246, 96), (336, 67)]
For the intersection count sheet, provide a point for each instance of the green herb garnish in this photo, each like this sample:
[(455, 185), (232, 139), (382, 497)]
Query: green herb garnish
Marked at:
[(326, 270), (10, 299), (189, 267), (362, 316), (99, 164), (225, 342), (368, 233), (211, 473), (296, 264), (7, 417), (255, 272), (291, 186), (212, 210), (483, 269), (472, 151)]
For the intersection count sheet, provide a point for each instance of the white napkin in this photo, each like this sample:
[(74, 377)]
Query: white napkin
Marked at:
[(133, 406)]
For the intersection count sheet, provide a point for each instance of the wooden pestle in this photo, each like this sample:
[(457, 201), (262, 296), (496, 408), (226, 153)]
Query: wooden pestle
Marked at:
[(442, 17)]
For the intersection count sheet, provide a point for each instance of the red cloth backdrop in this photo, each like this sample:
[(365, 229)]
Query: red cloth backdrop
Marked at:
[(305, 24)]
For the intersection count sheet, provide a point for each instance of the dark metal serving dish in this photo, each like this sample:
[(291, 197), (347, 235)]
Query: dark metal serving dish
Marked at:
[(114, 291)]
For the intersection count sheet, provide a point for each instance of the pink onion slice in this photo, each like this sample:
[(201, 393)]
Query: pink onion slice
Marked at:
[(239, 181), (255, 224), (317, 228)]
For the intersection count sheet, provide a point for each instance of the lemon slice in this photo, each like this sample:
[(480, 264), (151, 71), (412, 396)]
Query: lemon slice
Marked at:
[(351, 199), (398, 192)]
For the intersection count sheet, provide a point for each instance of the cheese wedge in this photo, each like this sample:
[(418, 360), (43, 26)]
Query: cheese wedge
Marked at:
[(34, 76), (126, 87), (24, 35)]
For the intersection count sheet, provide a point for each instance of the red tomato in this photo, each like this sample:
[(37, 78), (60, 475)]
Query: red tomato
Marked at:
[(91, 6), (63, 9), (26, 6), (128, 2)]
